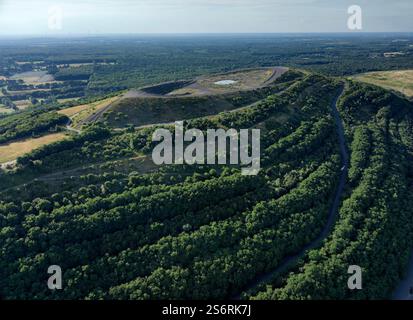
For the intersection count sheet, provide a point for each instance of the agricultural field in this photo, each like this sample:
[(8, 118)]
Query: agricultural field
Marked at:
[(401, 81), (22, 104)]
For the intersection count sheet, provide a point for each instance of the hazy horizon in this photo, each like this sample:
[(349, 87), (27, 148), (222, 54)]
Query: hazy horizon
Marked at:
[(94, 17), (205, 34)]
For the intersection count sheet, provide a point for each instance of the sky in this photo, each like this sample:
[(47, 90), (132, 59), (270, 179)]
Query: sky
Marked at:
[(50, 17)]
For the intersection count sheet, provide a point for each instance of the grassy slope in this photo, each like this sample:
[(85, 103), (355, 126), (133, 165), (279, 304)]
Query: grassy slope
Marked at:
[(401, 81), (13, 150), (82, 112), (143, 111)]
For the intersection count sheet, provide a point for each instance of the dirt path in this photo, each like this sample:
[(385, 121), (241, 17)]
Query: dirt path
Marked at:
[(70, 128), (64, 174), (289, 261)]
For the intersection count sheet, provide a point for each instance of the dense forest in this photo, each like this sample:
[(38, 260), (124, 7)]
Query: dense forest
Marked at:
[(122, 228), (375, 228), (29, 124), (158, 235), (106, 64)]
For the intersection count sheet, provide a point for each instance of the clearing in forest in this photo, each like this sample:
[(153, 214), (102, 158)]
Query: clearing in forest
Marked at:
[(11, 151)]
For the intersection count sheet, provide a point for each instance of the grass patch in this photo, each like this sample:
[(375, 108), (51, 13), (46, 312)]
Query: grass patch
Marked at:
[(401, 80), (34, 77), (3, 109), (151, 110), (13, 150), (81, 112)]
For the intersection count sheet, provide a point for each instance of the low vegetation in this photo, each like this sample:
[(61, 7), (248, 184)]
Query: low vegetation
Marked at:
[(13, 150), (401, 80)]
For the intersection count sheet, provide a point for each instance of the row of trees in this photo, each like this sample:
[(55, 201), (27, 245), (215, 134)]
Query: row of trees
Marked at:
[(181, 232), (375, 228)]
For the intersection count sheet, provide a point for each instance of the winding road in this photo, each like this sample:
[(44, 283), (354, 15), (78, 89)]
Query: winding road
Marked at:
[(289, 261)]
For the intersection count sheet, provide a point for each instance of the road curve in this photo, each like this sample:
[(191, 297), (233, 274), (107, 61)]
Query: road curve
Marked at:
[(288, 261)]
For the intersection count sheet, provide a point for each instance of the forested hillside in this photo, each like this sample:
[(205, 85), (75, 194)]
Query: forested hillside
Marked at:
[(375, 225), (122, 228), (191, 232)]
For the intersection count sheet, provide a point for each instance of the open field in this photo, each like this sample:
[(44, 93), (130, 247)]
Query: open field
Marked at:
[(13, 150), (144, 111), (22, 104), (74, 110), (401, 81), (68, 99), (33, 77), (166, 102), (172, 101), (3, 109)]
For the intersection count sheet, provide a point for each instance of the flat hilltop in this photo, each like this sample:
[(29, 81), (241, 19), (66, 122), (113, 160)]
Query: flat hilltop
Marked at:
[(233, 81), (184, 99)]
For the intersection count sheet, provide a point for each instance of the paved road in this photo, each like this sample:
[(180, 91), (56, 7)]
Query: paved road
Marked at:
[(69, 128), (402, 292), (289, 261), (278, 72)]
